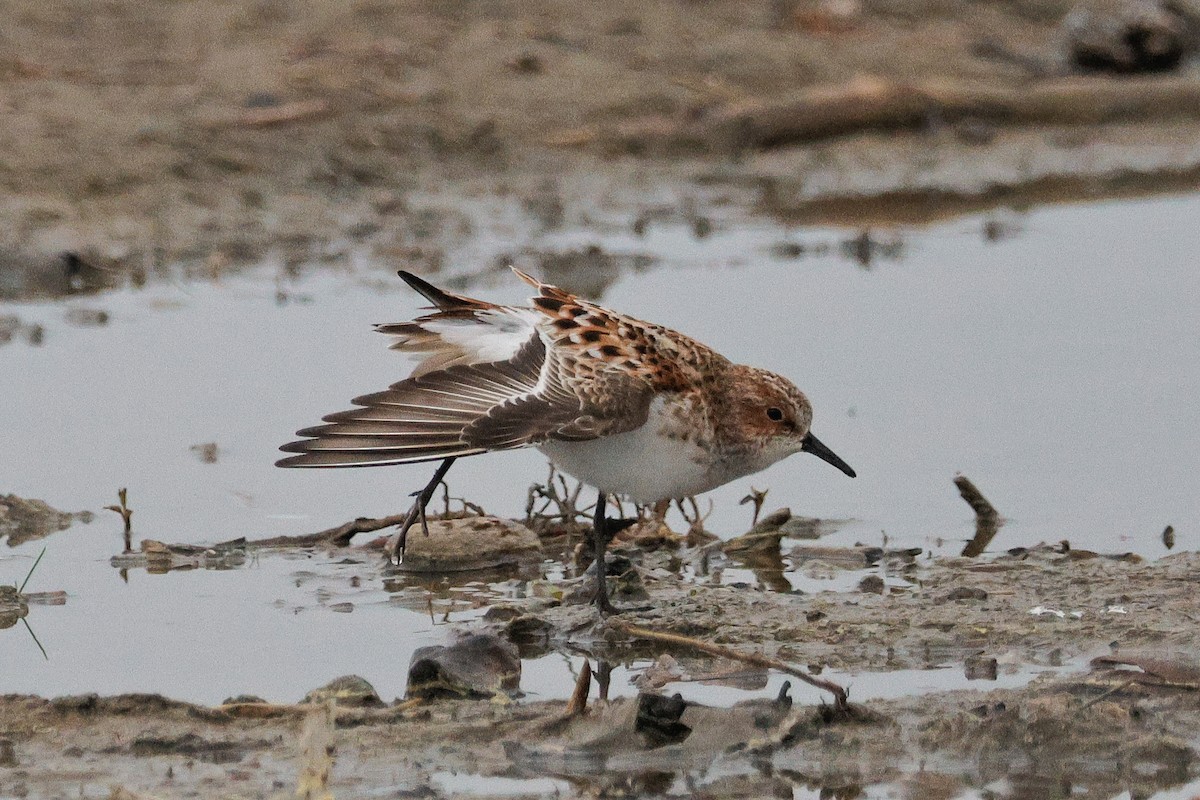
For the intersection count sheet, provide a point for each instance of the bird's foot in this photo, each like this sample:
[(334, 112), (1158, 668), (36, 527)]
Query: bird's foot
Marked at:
[(614, 526), (397, 541)]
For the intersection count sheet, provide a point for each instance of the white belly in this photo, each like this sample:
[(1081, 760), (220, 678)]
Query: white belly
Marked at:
[(644, 464)]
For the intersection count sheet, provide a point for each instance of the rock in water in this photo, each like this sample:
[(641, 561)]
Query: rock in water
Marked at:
[(348, 690), (468, 544), (478, 665), (1125, 36)]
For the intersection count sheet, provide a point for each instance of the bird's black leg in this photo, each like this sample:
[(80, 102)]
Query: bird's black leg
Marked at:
[(603, 531), (600, 536), (395, 544)]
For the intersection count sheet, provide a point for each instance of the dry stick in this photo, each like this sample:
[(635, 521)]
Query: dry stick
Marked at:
[(126, 515), (820, 112), (987, 519), (578, 702), (756, 659), (975, 499), (339, 536)]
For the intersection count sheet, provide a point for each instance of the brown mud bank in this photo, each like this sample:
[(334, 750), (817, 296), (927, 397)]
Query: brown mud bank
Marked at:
[(1129, 723), (1052, 739), (143, 138)]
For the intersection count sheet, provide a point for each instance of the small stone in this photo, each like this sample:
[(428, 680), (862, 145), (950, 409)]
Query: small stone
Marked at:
[(527, 64), (787, 250), (872, 584), (978, 668), (478, 665), (967, 593), (1125, 36), (348, 690)]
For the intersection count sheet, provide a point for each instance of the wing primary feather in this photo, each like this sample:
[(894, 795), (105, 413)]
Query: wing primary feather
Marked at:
[(370, 458)]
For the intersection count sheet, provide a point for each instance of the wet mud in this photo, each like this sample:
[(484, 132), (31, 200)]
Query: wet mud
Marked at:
[(1115, 707), (161, 142)]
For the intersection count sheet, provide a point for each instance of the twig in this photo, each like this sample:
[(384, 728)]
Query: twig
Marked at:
[(821, 112), (45, 655), (975, 499), (987, 519), (583, 684), (126, 515), (29, 574), (339, 536), (839, 694), (757, 497)]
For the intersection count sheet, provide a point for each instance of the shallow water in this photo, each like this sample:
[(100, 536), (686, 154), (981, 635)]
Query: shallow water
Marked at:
[(1058, 367)]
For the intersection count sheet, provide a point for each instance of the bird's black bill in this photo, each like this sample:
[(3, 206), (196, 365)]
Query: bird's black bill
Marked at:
[(813, 445)]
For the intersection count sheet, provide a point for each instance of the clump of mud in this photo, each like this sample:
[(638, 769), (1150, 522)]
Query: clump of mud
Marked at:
[(22, 520)]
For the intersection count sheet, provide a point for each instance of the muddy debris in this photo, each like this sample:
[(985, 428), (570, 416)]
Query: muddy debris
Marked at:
[(191, 745), (623, 567), (22, 520), (84, 317), (763, 538), (349, 690), (533, 635), (872, 584), (630, 744), (32, 274), (159, 558), (207, 452), (13, 606), (981, 668), (1126, 36), (11, 327), (468, 544)]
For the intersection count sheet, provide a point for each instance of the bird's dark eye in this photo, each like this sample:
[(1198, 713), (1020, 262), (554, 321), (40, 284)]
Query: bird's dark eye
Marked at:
[(775, 414)]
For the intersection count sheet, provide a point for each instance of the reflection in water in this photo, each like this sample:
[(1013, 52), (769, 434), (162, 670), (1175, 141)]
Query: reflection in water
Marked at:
[(25, 276), (768, 568)]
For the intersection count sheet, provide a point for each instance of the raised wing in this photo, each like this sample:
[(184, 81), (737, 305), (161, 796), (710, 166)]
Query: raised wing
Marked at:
[(493, 380)]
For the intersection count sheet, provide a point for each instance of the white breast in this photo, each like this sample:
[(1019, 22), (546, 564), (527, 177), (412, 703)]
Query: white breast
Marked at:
[(646, 465)]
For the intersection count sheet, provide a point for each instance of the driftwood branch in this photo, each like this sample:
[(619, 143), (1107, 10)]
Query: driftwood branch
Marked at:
[(821, 112), (975, 499), (758, 660), (578, 702), (987, 519), (339, 536)]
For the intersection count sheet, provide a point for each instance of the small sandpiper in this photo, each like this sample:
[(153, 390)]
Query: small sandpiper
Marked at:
[(631, 408)]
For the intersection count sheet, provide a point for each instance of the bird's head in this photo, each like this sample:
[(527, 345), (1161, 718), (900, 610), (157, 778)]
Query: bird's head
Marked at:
[(771, 412)]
